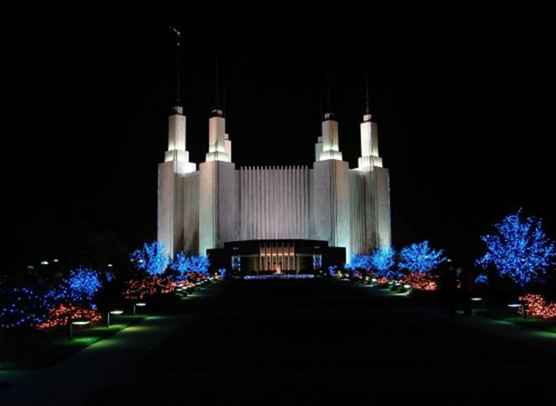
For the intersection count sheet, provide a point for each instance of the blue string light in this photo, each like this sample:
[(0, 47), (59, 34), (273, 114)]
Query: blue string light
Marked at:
[(152, 258), (420, 257), (519, 250), (382, 260)]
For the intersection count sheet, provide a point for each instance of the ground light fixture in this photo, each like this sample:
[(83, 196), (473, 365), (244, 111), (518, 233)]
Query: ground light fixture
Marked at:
[(476, 299), (112, 313), (77, 323), (136, 305), (407, 286), (517, 306)]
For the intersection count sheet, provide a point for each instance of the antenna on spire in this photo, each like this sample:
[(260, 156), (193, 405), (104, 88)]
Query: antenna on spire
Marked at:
[(367, 100), (177, 108), (218, 107), (328, 109)]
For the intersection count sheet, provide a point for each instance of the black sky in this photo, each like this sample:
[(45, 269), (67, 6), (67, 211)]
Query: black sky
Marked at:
[(465, 118)]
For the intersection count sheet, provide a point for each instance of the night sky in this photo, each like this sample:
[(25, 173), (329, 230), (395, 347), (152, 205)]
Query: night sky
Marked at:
[(466, 120)]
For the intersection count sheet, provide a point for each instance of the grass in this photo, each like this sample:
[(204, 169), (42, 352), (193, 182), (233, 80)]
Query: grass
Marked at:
[(526, 322), (39, 349)]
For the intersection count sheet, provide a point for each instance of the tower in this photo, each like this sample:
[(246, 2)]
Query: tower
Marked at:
[(330, 204), (174, 173), (219, 189), (376, 183)]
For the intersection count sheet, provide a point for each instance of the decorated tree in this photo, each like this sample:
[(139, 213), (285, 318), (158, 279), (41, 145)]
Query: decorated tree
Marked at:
[(199, 264), (152, 258), (22, 308), (73, 299), (518, 249), (180, 264), (81, 286), (420, 257), (382, 261)]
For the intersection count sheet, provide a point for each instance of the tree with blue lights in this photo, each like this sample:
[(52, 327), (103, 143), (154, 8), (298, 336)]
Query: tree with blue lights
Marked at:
[(382, 262), (360, 261), (82, 285), (420, 257), (180, 264), (22, 308), (152, 258), (519, 249), (199, 264)]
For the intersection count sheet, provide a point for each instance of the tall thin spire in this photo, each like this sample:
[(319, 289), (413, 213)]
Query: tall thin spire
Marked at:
[(177, 107)]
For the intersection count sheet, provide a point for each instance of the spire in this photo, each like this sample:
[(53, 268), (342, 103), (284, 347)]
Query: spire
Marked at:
[(177, 107)]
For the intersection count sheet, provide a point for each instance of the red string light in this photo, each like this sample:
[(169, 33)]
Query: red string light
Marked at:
[(63, 314), (420, 281), (537, 306)]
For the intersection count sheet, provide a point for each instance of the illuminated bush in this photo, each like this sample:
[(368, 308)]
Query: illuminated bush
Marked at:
[(420, 257), (537, 306), (81, 286), (63, 314), (519, 249), (22, 307), (382, 261), (180, 264), (199, 264), (152, 258), (360, 261), (421, 281), (139, 289)]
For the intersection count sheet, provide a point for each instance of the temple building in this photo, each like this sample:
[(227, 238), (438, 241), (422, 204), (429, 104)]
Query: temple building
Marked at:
[(273, 218)]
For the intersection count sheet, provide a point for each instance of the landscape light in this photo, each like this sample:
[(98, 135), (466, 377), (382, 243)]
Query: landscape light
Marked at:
[(110, 265), (407, 286), (55, 260), (140, 304), (476, 299), (77, 323), (114, 313), (44, 262), (514, 305)]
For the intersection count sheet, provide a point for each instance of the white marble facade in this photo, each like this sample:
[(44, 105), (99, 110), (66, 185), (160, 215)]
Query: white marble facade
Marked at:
[(202, 209)]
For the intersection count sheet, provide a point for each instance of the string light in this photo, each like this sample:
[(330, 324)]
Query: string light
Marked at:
[(62, 314), (421, 281), (536, 306), (419, 257), (519, 250), (152, 258)]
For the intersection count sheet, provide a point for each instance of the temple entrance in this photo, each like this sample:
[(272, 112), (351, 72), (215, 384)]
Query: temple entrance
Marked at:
[(270, 257)]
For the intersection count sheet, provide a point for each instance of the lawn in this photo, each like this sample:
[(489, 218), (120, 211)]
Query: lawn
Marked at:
[(526, 322), (39, 349)]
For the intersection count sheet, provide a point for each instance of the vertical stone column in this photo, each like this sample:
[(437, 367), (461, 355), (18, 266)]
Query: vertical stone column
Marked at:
[(218, 205)]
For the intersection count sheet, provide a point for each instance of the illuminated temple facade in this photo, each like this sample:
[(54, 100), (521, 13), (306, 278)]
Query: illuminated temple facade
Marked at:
[(289, 212)]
